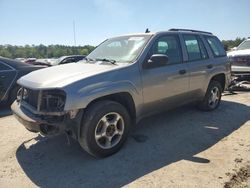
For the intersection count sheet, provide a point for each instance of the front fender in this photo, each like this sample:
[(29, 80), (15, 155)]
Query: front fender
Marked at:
[(83, 96)]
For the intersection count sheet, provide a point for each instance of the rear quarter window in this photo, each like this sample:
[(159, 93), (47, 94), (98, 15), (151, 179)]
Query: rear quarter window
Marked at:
[(216, 46)]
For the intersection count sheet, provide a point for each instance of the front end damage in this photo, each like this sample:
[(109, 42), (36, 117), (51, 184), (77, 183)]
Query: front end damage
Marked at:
[(43, 111)]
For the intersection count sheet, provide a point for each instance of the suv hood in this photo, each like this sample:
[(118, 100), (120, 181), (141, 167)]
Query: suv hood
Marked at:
[(239, 53), (62, 75)]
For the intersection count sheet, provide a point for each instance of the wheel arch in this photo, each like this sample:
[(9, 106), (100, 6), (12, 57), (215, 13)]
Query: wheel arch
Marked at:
[(124, 98), (221, 78)]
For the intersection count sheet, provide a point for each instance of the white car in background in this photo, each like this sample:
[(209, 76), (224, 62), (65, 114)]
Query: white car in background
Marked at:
[(240, 59)]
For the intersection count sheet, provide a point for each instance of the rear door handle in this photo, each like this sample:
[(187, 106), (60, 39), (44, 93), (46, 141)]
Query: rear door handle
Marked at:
[(2, 77), (182, 71), (209, 66)]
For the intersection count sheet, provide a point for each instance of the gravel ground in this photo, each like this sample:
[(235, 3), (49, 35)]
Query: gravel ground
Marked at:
[(180, 148)]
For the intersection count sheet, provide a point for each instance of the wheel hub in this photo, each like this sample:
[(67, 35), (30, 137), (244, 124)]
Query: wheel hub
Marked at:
[(109, 130), (214, 97)]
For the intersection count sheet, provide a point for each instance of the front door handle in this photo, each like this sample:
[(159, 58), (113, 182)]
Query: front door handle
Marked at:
[(182, 71), (2, 77), (209, 66)]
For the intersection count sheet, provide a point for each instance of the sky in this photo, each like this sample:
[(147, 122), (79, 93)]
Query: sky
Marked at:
[(51, 21)]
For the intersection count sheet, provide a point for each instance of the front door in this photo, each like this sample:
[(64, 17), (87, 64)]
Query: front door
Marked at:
[(165, 86)]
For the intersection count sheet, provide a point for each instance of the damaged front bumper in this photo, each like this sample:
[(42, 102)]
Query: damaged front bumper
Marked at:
[(27, 119), (47, 124)]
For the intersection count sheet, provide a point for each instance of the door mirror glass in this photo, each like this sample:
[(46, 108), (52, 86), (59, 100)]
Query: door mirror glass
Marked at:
[(157, 60)]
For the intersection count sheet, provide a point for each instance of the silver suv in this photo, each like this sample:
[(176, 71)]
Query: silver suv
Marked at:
[(124, 79)]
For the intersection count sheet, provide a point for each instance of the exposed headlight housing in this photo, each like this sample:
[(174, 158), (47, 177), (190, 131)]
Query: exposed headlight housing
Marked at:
[(42, 101), (52, 101), (22, 93)]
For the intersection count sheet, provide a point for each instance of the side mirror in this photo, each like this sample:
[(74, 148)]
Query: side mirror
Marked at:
[(157, 60), (234, 48)]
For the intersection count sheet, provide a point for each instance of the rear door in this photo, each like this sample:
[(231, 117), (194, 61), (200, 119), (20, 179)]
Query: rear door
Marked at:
[(165, 86), (198, 64), (7, 76)]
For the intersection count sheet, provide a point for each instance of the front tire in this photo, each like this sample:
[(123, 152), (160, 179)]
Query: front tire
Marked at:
[(104, 128), (212, 98)]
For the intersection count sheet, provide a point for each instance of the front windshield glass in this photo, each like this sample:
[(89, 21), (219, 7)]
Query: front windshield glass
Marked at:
[(244, 46), (120, 49)]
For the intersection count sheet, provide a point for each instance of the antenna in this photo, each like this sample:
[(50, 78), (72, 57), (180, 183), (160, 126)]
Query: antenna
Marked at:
[(74, 30), (147, 31)]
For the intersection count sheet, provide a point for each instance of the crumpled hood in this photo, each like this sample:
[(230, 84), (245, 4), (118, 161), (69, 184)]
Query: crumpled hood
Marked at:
[(239, 53), (62, 75)]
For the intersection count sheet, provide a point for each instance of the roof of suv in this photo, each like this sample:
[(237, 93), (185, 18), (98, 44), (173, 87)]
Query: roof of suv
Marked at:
[(172, 31)]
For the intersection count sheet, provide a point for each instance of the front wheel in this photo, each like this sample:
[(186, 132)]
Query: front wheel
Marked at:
[(104, 128), (212, 98)]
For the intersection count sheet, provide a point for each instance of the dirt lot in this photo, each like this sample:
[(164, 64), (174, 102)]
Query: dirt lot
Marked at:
[(180, 148)]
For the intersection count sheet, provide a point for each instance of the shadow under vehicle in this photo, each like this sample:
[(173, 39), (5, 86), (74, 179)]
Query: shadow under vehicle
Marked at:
[(157, 142)]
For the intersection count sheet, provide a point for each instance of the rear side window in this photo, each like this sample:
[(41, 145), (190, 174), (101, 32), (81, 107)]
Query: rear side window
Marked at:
[(216, 46), (170, 46), (195, 48), (4, 67)]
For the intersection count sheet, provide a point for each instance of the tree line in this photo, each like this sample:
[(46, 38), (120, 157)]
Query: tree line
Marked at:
[(229, 44), (42, 51)]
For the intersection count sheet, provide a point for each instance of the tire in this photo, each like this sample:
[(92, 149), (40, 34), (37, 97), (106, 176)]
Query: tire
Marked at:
[(104, 128), (212, 98)]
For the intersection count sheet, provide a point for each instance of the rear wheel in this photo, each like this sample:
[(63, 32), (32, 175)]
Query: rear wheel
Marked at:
[(212, 98), (104, 128)]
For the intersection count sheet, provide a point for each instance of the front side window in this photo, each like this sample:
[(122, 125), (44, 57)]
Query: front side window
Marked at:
[(216, 46), (120, 49), (195, 48), (4, 67), (168, 45)]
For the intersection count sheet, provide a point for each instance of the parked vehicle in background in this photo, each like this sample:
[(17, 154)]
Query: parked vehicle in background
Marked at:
[(30, 60), (43, 62), (123, 80), (68, 59), (10, 72), (20, 59), (240, 59)]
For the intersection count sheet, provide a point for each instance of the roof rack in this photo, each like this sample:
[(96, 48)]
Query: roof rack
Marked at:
[(190, 30)]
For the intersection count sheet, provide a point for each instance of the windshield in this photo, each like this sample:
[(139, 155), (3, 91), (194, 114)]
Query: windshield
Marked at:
[(120, 49), (244, 45)]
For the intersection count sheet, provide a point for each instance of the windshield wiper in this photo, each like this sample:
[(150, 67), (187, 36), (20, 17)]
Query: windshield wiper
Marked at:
[(106, 60)]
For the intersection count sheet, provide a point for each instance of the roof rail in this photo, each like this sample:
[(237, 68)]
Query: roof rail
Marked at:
[(190, 30)]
